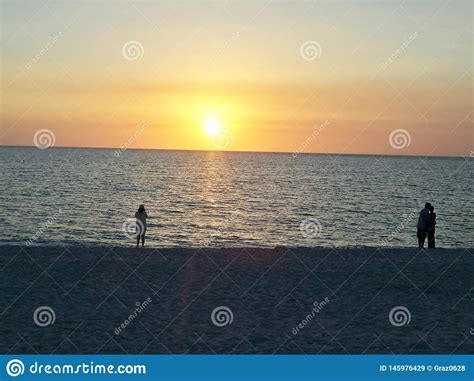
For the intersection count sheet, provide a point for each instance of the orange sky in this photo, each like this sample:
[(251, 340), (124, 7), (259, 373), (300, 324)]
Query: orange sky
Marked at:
[(148, 75)]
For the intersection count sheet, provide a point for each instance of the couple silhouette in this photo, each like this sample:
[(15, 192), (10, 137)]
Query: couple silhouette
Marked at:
[(426, 226)]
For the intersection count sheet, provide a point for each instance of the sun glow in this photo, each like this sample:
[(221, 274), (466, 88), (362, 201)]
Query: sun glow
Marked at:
[(212, 126)]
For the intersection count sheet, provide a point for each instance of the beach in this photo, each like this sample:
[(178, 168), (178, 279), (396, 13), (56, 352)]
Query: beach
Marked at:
[(103, 299)]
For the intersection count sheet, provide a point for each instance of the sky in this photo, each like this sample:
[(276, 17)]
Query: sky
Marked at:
[(363, 77)]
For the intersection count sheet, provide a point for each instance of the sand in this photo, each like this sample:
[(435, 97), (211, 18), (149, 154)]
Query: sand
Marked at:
[(282, 300)]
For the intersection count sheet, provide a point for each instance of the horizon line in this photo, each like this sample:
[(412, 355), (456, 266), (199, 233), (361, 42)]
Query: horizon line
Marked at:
[(240, 151)]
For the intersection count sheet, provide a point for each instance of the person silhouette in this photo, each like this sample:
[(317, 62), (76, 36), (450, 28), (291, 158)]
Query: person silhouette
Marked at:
[(141, 217), (430, 227), (423, 225)]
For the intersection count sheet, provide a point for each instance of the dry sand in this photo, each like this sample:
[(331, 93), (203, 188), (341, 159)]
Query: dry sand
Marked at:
[(268, 295)]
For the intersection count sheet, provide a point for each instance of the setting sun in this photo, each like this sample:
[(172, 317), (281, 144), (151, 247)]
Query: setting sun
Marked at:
[(212, 126)]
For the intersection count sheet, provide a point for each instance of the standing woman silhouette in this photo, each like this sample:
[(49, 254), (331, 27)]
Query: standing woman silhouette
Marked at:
[(141, 217)]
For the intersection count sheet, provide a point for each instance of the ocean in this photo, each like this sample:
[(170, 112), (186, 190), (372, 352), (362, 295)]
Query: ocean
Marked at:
[(70, 196)]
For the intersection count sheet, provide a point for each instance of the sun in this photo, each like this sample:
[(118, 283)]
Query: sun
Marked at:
[(212, 126)]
